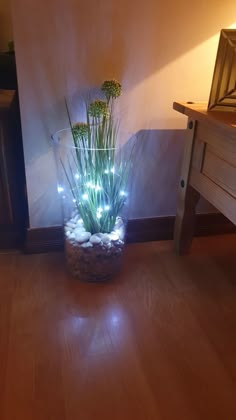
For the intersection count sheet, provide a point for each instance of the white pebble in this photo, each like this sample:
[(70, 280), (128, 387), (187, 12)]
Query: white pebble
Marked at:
[(70, 225), (87, 245), (95, 239), (114, 236), (106, 238), (82, 236), (79, 229)]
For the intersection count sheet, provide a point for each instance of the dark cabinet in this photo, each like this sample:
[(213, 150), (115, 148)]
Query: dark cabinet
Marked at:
[(13, 203)]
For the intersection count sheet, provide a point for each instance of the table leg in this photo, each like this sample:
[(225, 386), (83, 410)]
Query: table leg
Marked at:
[(185, 221), (187, 196)]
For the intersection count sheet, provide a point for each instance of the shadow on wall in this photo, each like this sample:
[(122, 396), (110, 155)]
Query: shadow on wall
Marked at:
[(156, 173), (154, 182)]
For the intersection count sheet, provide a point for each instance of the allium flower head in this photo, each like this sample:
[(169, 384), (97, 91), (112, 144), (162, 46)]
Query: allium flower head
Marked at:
[(98, 109), (80, 130), (111, 88)]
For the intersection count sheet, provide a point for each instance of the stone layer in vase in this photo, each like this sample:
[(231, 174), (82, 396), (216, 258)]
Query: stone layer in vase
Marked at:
[(94, 257)]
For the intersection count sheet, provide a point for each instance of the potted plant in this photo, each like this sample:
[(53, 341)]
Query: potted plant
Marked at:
[(94, 173)]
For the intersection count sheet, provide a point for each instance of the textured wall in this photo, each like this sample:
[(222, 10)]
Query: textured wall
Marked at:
[(5, 24), (161, 51)]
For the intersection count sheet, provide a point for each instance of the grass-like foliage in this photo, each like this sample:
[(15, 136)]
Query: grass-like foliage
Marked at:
[(95, 170)]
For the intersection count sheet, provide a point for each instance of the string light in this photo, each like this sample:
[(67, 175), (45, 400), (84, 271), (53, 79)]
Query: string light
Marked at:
[(77, 176), (113, 170), (74, 200), (93, 186), (107, 208), (122, 193), (99, 210), (60, 189), (106, 171), (85, 196)]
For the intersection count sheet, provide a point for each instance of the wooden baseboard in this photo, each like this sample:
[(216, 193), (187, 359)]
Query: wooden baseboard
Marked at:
[(138, 230), (44, 239)]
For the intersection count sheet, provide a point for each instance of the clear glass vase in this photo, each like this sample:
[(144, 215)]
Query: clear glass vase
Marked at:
[(93, 185)]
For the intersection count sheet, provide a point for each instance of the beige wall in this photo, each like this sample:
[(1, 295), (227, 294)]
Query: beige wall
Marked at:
[(5, 24), (161, 51)]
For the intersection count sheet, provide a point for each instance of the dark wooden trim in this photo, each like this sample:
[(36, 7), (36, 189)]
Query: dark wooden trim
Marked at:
[(44, 239), (138, 230), (10, 238)]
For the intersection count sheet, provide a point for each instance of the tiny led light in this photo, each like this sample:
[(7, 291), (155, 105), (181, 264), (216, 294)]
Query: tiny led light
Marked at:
[(122, 193), (60, 189), (99, 215), (74, 200), (85, 196), (97, 188), (113, 170), (76, 176), (106, 171), (107, 208), (99, 210)]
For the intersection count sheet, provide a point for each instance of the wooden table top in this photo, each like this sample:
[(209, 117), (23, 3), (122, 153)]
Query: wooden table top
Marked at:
[(199, 111)]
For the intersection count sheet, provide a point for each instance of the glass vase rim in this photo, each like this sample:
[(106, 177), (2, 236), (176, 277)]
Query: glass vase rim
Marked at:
[(58, 143)]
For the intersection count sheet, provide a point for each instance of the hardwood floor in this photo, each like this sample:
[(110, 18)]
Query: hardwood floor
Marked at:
[(157, 343)]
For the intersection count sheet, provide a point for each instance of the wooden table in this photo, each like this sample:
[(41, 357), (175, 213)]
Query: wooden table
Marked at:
[(208, 167)]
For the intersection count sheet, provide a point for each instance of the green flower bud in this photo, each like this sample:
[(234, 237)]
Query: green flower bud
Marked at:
[(111, 88), (80, 130), (98, 109)]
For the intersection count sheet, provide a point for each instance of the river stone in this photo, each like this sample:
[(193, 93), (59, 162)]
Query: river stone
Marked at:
[(114, 236), (95, 239), (106, 238), (82, 236), (79, 229), (87, 245), (70, 225)]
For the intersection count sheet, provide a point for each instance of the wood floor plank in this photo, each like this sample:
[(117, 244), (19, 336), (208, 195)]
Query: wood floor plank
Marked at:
[(157, 343)]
